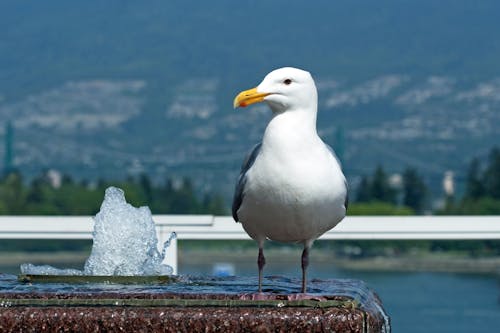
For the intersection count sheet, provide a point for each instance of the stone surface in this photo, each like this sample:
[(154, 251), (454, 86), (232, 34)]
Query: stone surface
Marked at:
[(193, 319), (349, 307)]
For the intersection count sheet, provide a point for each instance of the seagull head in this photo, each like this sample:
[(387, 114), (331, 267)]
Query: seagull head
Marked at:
[(283, 89)]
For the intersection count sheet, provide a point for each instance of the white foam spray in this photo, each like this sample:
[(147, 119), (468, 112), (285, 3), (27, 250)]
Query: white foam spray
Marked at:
[(125, 242)]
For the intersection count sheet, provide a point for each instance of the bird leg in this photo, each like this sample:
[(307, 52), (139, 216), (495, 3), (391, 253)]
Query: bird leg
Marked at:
[(305, 263), (261, 261)]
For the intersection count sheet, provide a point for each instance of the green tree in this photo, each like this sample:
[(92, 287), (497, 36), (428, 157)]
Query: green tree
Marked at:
[(146, 186), (40, 197), (378, 208), (414, 190), (13, 193), (214, 204), (380, 187), (474, 187), (184, 200), (480, 206), (162, 198), (482, 191), (364, 190), (491, 176)]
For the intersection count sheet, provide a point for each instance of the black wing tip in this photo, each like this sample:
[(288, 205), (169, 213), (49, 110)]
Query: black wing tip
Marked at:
[(234, 211), (346, 200), (238, 197), (240, 184)]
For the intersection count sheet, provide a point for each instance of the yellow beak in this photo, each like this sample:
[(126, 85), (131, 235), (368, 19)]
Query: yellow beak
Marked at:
[(248, 97)]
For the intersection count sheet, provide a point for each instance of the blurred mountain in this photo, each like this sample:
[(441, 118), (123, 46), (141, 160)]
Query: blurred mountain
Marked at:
[(106, 89)]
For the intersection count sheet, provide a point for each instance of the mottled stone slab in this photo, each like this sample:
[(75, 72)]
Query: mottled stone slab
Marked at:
[(349, 306)]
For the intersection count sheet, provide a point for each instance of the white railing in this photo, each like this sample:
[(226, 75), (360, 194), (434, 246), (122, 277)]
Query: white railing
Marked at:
[(200, 227)]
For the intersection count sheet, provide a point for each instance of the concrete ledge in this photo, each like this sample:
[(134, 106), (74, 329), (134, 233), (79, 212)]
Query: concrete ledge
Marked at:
[(351, 308)]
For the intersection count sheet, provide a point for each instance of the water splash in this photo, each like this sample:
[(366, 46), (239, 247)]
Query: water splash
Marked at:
[(48, 270), (166, 245), (125, 242)]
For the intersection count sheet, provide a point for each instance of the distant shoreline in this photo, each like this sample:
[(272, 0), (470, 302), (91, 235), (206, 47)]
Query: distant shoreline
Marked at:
[(427, 262), (43, 258), (423, 262)]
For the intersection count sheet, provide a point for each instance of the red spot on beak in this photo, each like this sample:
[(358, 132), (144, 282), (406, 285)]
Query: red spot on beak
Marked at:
[(243, 104)]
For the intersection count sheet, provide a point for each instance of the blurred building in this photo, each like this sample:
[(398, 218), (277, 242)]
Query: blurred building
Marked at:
[(449, 183)]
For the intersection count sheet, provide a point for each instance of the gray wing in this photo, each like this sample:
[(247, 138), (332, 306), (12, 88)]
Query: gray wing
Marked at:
[(346, 200), (240, 185)]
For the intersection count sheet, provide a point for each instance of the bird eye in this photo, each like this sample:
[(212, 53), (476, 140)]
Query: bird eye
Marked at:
[(287, 81)]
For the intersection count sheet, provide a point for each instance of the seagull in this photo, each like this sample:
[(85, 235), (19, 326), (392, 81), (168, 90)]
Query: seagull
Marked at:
[(291, 187)]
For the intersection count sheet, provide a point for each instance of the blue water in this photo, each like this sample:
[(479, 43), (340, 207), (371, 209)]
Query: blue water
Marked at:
[(416, 302), (438, 302)]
